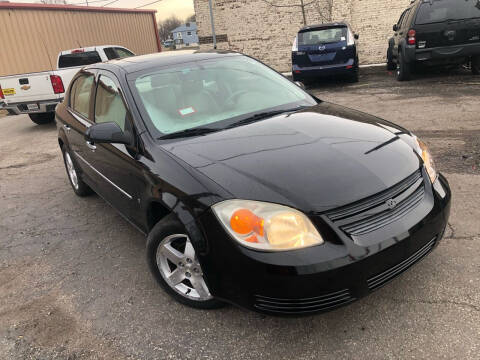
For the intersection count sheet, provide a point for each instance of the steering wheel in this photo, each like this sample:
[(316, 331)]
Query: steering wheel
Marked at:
[(236, 94)]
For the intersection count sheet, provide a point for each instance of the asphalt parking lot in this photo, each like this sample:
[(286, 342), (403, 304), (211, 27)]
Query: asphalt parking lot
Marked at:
[(74, 283)]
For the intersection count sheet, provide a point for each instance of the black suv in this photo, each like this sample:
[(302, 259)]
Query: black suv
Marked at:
[(436, 32)]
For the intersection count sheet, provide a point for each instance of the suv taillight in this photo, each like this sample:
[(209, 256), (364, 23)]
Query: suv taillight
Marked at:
[(1, 93), (412, 40), (57, 84)]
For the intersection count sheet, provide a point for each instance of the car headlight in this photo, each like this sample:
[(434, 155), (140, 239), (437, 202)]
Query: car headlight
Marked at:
[(422, 150), (265, 226)]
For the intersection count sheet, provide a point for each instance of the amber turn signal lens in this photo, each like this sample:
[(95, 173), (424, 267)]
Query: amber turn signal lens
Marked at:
[(245, 222)]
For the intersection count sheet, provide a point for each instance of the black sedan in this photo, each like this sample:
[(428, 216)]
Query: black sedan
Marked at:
[(251, 191)]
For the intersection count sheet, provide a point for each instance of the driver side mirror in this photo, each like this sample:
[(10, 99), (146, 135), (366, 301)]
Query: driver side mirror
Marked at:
[(108, 133), (395, 27), (356, 36)]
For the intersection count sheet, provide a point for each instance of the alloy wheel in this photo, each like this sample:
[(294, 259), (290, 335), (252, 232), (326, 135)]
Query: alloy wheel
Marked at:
[(180, 268), (72, 173)]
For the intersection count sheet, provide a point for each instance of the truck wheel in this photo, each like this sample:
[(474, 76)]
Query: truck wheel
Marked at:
[(43, 118), (476, 65), (390, 64), (403, 68)]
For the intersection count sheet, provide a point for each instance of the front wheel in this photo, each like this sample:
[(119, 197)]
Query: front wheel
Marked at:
[(42, 118), (403, 68), (476, 65), (174, 264)]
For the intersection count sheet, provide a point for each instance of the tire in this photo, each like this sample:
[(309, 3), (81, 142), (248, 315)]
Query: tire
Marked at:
[(390, 63), (174, 265), (42, 118), (354, 78), (403, 68), (476, 65), (79, 187)]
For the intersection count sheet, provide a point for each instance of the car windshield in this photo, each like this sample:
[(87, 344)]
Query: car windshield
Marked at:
[(434, 11), (322, 36), (218, 93)]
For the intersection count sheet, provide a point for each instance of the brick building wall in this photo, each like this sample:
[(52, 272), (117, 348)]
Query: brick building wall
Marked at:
[(264, 31)]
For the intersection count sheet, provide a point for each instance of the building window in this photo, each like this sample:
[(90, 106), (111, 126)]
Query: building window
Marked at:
[(189, 33)]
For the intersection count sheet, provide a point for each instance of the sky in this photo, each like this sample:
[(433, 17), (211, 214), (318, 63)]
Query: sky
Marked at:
[(165, 8)]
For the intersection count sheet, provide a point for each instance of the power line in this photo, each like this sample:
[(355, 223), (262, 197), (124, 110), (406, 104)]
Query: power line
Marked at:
[(111, 2), (87, 2), (153, 2)]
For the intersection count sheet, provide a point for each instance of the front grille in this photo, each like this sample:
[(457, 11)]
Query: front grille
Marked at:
[(303, 306), (383, 278), (373, 213)]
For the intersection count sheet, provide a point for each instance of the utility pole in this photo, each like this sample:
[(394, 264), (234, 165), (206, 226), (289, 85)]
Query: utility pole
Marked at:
[(303, 13), (213, 25)]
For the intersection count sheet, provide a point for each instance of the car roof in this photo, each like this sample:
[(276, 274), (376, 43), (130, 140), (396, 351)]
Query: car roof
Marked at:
[(324, 26), (167, 58)]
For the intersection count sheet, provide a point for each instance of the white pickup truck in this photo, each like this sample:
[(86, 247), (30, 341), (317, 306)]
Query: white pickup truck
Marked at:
[(37, 94)]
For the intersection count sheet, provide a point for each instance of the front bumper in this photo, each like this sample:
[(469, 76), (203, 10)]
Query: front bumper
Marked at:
[(442, 53), (311, 72), (44, 106), (320, 278)]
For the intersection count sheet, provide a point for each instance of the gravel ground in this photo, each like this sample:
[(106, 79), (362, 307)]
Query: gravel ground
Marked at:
[(74, 283)]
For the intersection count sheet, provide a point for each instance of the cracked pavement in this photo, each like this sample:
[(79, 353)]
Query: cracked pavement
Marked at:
[(74, 283)]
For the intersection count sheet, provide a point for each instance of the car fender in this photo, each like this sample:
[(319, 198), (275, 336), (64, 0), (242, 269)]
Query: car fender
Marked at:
[(169, 204)]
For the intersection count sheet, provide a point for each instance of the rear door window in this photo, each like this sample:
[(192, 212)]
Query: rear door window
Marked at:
[(322, 36), (81, 95), (110, 53), (434, 11), (399, 23), (405, 19), (109, 105), (123, 53), (79, 59)]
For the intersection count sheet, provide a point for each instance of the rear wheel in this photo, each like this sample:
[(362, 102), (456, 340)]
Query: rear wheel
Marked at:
[(476, 65), (174, 264), (354, 77), (403, 68), (78, 186), (43, 118), (390, 63)]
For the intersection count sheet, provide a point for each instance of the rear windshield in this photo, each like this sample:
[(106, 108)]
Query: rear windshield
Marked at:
[(434, 11), (79, 59), (322, 36)]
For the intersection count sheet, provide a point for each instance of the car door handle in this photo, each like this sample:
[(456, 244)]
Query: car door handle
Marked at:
[(91, 146), (67, 128)]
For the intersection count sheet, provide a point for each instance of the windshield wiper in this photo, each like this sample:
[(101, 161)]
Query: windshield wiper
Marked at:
[(263, 115), (188, 133)]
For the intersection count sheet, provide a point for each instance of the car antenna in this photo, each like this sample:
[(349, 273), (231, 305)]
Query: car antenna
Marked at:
[(48, 55)]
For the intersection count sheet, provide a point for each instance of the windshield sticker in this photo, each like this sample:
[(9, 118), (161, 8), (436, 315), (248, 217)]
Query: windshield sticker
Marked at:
[(187, 111)]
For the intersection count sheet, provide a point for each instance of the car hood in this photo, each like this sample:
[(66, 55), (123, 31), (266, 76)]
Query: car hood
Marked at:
[(315, 159)]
